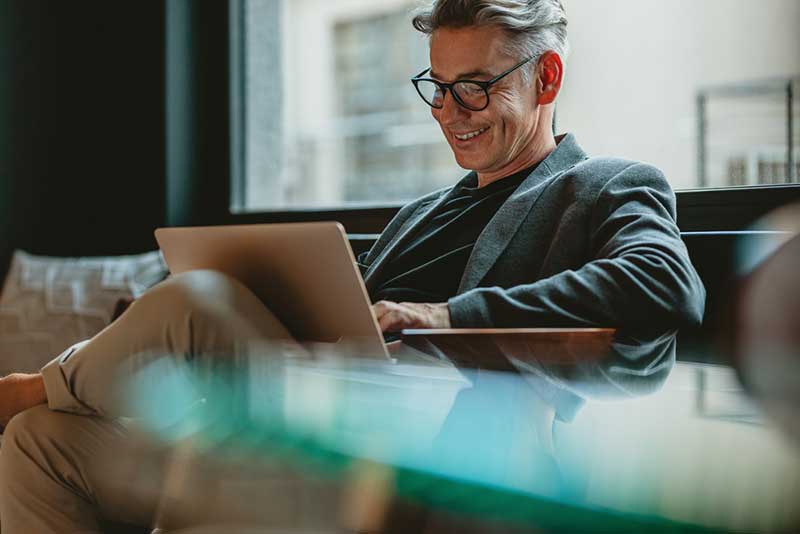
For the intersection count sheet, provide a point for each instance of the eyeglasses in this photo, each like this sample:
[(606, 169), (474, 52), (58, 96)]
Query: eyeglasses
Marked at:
[(471, 94)]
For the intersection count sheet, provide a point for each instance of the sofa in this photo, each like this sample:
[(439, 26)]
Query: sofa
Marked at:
[(49, 303)]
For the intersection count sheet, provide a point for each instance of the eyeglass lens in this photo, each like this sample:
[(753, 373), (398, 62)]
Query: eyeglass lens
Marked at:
[(472, 96)]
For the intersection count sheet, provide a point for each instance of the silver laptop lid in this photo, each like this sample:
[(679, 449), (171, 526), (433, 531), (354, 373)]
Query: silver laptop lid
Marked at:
[(305, 273)]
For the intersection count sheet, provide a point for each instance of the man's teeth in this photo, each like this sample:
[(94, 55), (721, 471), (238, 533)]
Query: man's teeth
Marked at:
[(470, 135)]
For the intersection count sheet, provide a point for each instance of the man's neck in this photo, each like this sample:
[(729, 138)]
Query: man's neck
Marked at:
[(527, 160)]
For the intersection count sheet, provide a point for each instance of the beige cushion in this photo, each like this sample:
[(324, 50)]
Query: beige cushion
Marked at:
[(47, 303)]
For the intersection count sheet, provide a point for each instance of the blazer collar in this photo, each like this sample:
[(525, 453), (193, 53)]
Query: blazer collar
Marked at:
[(498, 233), (506, 222)]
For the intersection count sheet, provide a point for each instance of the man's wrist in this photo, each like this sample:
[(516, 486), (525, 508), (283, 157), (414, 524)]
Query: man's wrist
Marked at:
[(443, 312), (468, 310)]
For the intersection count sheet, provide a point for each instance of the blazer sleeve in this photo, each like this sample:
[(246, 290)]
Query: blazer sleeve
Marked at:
[(640, 272)]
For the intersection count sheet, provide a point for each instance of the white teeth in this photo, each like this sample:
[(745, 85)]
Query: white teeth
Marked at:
[(470, 135)]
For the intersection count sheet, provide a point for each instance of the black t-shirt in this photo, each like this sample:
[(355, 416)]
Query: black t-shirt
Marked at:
[(429, 266)]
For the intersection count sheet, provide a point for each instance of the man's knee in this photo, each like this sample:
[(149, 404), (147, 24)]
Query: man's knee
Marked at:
[(50, 463), (209, 299), (32, 429), (26, 441), (196, 290), (20, 429), (203, 295)]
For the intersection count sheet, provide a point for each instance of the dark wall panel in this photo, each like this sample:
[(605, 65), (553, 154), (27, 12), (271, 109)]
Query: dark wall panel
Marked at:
[(82, 161), (198, 112)]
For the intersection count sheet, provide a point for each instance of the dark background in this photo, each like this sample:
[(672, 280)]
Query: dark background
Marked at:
[(82, 151), (114, 120)]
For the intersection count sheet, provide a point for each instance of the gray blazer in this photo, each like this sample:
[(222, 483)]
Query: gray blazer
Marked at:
[(581, 242)]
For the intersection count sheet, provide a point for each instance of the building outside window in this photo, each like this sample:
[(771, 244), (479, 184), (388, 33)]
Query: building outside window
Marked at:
[(326, 115)]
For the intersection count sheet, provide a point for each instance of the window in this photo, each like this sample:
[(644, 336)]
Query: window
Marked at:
[(326, 116), (330, 117), (744, 136)]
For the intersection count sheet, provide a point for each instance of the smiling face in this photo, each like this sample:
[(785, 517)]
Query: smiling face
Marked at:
[(504, 138)]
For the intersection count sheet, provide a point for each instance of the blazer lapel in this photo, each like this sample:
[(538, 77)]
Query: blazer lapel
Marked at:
[(504, 225)]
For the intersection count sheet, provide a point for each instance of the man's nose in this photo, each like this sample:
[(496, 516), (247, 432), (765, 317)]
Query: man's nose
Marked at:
[(451, 111)]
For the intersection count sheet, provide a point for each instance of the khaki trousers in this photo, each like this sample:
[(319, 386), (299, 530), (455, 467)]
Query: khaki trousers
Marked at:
[(66, 466)]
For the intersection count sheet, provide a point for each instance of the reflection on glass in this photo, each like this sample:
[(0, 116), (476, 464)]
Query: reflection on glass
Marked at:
[(577, 430), (560, 436)]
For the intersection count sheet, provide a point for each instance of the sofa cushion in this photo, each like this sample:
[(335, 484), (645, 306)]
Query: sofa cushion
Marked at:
[(48, 303)]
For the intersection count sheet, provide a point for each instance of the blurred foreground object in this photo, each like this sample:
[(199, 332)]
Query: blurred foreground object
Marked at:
[(765, 324), (565, 439)]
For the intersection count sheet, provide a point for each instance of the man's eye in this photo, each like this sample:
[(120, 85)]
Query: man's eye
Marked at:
[(470, 89)]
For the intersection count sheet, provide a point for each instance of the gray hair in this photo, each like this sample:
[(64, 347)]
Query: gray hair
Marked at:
[(534, 26)]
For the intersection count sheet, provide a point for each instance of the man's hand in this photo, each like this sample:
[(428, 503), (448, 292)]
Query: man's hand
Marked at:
[(395, 316)]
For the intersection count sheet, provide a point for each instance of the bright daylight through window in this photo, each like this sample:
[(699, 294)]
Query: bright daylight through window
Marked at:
[(326, 115)]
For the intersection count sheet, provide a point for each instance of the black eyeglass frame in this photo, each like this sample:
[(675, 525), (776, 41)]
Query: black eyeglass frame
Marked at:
[(444, 87)]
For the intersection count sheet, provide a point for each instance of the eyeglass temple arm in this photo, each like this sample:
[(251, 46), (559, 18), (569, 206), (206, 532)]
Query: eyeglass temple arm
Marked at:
[(421, 73)]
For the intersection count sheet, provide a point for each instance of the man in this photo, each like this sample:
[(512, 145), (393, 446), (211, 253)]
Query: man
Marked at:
[(542, 234), (538, 234)]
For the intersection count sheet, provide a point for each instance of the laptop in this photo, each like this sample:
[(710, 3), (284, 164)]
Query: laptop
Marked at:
[(305, 273)]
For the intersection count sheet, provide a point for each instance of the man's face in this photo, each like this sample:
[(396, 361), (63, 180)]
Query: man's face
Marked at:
[(508, 124)]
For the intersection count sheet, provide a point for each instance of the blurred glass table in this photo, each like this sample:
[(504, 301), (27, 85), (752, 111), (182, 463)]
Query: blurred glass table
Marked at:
[(601, 432)]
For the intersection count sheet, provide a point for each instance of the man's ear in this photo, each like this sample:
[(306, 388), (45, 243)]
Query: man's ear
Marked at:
[(550, 73)]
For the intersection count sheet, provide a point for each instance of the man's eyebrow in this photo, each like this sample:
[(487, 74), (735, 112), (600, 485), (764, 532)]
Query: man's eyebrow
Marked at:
[(464, 75)]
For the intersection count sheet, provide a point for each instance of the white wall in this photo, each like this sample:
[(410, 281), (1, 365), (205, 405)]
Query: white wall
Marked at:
[(636, 65)]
